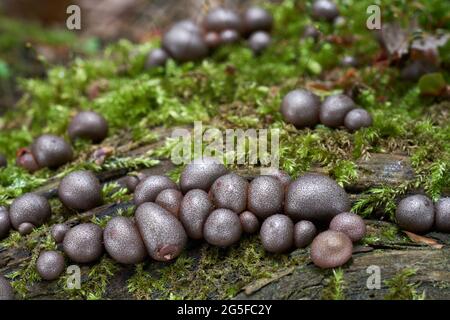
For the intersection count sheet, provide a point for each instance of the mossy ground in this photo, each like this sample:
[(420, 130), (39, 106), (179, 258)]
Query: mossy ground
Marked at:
[(234, 89)]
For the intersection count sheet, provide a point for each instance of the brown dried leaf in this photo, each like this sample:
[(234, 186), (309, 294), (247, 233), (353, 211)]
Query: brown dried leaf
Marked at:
[(423, 240)]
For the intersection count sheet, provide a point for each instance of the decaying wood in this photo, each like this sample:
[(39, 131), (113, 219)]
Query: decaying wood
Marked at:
[(304, 281)]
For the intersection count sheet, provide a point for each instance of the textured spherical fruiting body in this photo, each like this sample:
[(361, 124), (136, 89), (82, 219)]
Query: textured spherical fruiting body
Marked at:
[(29, 208), (357, 118), (194, 210), (277, 233), (88, 125), (188, 25), (222, 228), (51, 151), (415, 213), (324, 10), (334, 109), (26, 160), (331, 249), (80, 190), (148, 189), (349, 223), (442, 209), (301, 108), (5, 222), (229, 36), (163, 235), (50, 265), (83, 243), (170, 199), (230, 192), (123, 241), (201, 174), (304, 233), (184, 44), (3, 161), (311, 31), (128, 182), (315, 197), (259, 41), (25, 228), (219, 19), (156, 58), (281, 175), (249, 222), (6, 290), (257, 19), (212, 39), (349, 61), (265, 196), (59, 231)]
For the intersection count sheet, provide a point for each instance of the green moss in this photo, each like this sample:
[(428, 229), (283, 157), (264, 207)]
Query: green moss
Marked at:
[(335, 288), (400, 287), (214, 273)]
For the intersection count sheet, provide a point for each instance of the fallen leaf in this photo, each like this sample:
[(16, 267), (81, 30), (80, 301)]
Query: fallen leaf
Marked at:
[(423, 240)]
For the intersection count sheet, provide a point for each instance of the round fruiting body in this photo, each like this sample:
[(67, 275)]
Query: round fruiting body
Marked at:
[(265, 196), (277, 233), (162, 233), (331, 249), (324, 10), (148, 189), (415, 213), (25, 228), (222, 228), (416, 69), (26, 160), (29, 208), (188, 25), (194, 210), (349, 61), (229, 36), (259, 41), (123, 241), (442, 208), (184, 44), (201, 174), (249, 222), (128, 182), (315, 197), (334, 109), (257, 19), (6, 290), (156, 58), (349, 223), (83, 243), (170, 199), (5, 222), (357, 118), (301, 108), (219, 19), (50, 265), (88, 125), (304, 233), (281, 175), (80, 190), (311, 31), (51, 151), (230, 192), (212, 39), (3, 161), (59, 231)]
